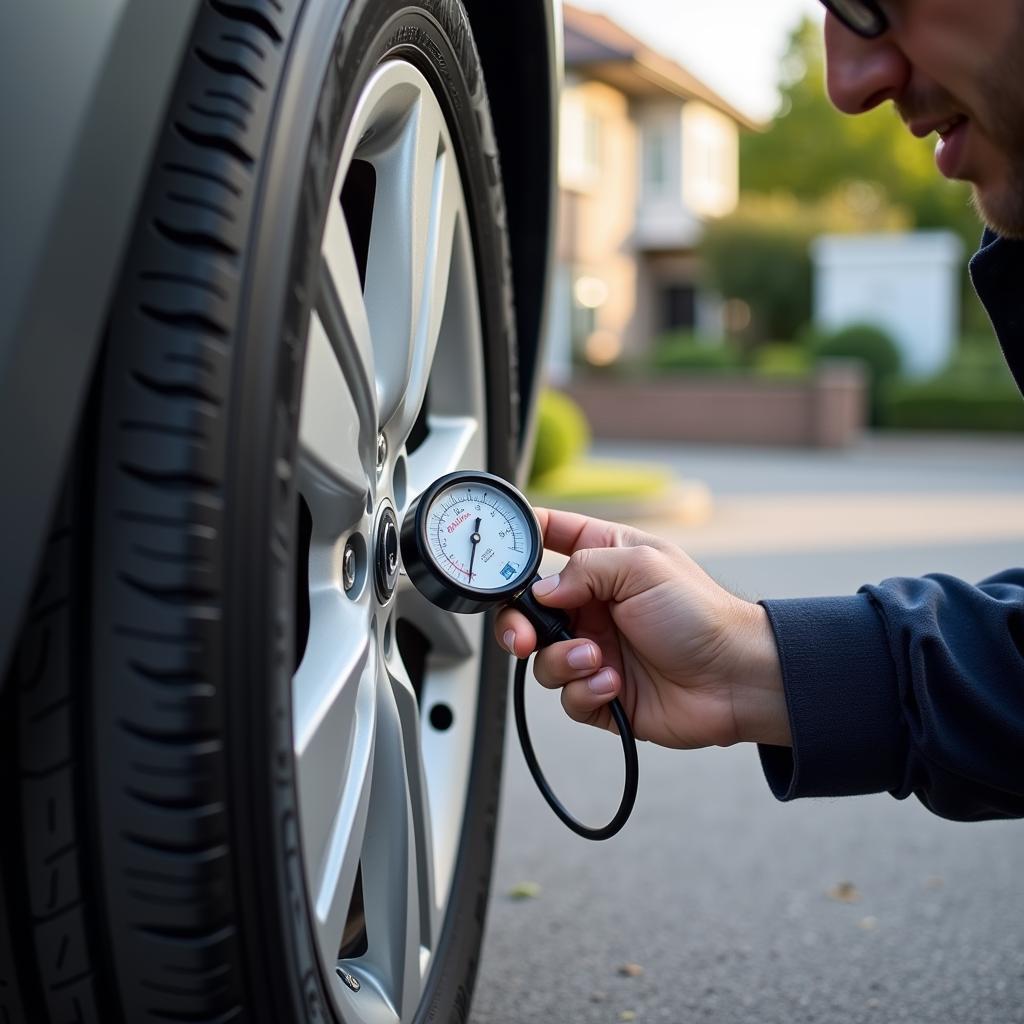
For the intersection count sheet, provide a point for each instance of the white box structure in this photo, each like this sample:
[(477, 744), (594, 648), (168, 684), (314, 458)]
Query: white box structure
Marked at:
[(908, 284)]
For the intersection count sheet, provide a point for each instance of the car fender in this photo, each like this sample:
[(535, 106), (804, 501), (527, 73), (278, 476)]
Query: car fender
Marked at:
[(86, 87)]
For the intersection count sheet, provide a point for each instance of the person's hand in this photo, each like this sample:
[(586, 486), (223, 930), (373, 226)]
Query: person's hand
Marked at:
[(693, 665)]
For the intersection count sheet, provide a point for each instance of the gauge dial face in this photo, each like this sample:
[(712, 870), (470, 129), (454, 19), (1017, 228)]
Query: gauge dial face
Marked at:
[(479, 537)]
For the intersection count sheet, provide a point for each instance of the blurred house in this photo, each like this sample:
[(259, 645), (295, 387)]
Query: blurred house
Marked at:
[(649, 154)]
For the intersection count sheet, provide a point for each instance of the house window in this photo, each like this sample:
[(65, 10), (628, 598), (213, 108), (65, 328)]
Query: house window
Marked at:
[(655, 162), (678, 307)]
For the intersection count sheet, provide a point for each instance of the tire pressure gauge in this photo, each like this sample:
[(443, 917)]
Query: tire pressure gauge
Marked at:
[(471, 542)]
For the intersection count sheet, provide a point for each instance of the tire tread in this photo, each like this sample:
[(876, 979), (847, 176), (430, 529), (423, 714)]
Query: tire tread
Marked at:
[(170, 874)]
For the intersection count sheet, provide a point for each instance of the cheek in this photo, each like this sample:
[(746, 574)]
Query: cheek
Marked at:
[(954, 43)]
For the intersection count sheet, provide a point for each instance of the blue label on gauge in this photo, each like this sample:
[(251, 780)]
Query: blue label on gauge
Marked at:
[(509, 571)]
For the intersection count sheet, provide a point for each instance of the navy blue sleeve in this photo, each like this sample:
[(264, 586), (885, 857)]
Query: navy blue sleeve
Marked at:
[(912, 686)]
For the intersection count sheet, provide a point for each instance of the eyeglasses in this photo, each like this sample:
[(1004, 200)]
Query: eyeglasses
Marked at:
[(864, 17)]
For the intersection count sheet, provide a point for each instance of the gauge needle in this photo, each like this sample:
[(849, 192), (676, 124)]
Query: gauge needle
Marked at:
[(475, 539)]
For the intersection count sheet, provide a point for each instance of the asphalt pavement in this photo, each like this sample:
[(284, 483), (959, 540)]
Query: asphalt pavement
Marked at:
[(717, 903)]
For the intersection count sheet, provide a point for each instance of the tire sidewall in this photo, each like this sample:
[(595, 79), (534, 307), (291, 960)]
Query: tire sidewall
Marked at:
[(314, 111)]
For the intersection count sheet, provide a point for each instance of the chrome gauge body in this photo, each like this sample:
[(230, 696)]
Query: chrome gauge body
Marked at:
[(471, 541)]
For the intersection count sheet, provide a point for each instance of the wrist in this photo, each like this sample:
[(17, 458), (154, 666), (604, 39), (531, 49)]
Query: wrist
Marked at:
[(755, 680)]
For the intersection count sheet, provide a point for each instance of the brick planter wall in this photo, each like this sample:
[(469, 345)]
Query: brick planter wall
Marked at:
[(824, 410)]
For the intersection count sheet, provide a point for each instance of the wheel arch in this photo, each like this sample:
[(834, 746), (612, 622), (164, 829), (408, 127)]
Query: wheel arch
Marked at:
[(520, 48)]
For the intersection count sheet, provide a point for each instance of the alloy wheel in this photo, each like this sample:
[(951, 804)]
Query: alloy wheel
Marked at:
[(385, 691)]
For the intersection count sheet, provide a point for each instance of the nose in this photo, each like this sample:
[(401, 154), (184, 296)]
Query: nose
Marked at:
[(862, 73)]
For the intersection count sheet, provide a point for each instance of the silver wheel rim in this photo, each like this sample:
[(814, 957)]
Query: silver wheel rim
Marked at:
[(382, 791)]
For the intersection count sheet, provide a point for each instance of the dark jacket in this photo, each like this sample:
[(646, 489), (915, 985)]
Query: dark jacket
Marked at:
[(914, 685)]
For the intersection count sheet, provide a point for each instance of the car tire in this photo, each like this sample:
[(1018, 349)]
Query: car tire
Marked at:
[(159, 867)]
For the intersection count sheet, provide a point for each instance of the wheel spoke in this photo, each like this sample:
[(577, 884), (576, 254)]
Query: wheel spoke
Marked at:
[(452, 442), (447, 753), (391, 882), (418, 201), (409, 716), (334, 711), (341, 296), (451, 636), (332, 477), (436, 281), (342, 311)]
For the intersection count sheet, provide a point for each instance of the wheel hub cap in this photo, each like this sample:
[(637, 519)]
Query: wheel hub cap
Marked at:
[(386, 554)]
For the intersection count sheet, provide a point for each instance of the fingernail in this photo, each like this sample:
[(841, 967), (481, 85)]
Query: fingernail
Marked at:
[(544, 587), (509, 640), (584, 656), (603, 682)]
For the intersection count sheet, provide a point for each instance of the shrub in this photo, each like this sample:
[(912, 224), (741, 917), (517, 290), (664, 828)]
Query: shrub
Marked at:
[(946, 404), (683, 351), (866, 342), (979, 361), (873, 347), (562, 433), (781, 360)]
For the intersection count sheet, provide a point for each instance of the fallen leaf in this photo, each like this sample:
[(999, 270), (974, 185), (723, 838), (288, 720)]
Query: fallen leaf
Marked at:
[(869, 923), (631, 970), (627, 1015), (524, 891), (844, 892)]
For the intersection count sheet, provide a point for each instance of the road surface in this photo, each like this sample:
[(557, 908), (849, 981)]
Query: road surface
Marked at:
[(736, 908)]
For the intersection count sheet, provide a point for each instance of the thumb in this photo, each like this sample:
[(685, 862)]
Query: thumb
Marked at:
[(602, 574)]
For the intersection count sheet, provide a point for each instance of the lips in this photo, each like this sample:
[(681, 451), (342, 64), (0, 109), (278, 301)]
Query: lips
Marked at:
[(943, 127), (951, 149)]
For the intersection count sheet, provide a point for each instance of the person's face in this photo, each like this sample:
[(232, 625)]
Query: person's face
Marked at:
[(953, 67)]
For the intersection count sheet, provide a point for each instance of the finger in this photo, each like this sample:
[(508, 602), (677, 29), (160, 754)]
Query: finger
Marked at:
[(566, 532), (515, 633), (563, 662), (604, 574), (584, 699)]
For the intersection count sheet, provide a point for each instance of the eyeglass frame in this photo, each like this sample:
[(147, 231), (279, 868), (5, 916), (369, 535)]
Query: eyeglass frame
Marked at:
[(881, 21)]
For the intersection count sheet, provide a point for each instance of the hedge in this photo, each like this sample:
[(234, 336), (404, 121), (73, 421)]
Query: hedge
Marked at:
[(685, 352), (945, 405)]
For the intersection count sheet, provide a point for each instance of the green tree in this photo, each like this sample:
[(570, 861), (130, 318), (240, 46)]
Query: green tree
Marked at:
[(811, 151), (761, 253)]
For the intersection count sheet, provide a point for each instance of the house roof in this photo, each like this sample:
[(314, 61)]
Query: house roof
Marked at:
[(604, 50)]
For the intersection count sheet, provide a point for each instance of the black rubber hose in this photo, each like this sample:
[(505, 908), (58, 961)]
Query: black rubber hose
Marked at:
[(628, 749)]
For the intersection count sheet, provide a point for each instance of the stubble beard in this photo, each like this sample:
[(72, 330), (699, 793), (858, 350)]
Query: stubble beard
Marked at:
[(1002, 208)]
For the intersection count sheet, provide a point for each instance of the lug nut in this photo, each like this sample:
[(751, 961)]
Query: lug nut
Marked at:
[(382, 452), (348, 567)]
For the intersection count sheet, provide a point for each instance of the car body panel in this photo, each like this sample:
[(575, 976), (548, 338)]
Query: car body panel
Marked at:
[(92, 83), (87, 86)]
